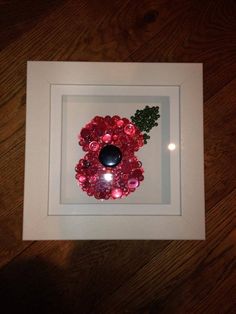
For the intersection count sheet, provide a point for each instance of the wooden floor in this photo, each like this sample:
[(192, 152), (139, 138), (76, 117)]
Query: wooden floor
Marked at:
[(120, 276)]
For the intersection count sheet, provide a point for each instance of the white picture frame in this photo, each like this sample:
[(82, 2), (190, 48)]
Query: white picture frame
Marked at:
[(52, 209)]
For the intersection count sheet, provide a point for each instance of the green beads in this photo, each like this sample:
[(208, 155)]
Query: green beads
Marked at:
[(146, 119)]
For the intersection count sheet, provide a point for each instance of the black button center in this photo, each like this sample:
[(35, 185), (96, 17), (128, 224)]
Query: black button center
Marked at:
[(110, 156)]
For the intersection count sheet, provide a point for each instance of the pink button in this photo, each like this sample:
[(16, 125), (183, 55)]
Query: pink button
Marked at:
[(116, 193), (120, 123), (106, 138), (133, 183), (82, 179), (94, 146), (129, 129)]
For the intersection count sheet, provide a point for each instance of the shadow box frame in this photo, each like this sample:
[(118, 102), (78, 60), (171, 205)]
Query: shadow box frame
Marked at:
[(47, 216)]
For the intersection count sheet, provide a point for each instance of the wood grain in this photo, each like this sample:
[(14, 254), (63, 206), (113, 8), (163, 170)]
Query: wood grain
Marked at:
[(205, 33), (219, 145), (181, 264), (120, 276)]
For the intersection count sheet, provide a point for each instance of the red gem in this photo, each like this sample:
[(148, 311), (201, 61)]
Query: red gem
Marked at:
[(136, 173), (106, 138), (126, 121), (140, 142), (85, 133), (108, 119), (115, 118), (120, 123), (86, 148), (141, 178), (109, 131), (129, 129), (99, 130), (81, 142), (86, 163), (89, 126), (98, 119), (125, 176), (93, 179), (135, 164)]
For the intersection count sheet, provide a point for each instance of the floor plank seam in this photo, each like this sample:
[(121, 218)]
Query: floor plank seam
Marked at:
[(16, 256)]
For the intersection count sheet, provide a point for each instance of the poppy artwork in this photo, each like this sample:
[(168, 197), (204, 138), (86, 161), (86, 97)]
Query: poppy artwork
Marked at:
[(110, 169), (114, 151)]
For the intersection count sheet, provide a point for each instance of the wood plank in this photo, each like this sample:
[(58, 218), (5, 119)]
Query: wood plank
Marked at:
[(11, 195), (203, 262), (120, 276), (38, 43), (204, 33), (57, 270), (94, 268), (208, 288), (55, 37), (219, 144), (18, 19), (219, 180), (100, 35), (103, 287), (95, 34)]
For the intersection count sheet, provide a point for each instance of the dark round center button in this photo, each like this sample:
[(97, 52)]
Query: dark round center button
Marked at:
[(110, 156)]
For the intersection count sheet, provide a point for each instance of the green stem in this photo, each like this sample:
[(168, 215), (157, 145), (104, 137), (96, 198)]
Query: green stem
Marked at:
[(146, 119)]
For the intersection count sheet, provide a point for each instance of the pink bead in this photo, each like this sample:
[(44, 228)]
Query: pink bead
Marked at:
[(116, 193), (82, 179), (129, 129), (106, 138)]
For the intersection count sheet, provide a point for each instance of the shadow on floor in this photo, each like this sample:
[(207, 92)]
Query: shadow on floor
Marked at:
[(32, 287)]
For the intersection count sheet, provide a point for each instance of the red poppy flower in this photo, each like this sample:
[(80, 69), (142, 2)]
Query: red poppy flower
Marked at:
[(110, 169)]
